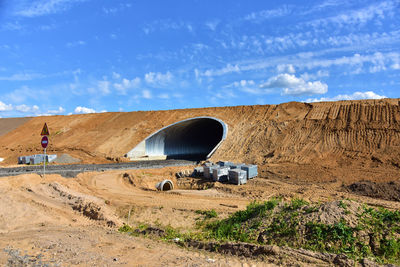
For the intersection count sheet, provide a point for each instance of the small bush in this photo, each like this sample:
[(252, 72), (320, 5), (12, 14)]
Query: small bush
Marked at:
[(125, 229), (208, 213), (296, 204)]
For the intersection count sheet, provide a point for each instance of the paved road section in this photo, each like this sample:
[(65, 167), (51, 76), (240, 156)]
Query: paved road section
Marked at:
[(73, 170)]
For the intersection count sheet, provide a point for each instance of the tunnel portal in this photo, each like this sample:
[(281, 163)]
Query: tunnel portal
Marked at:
[(194, 139)]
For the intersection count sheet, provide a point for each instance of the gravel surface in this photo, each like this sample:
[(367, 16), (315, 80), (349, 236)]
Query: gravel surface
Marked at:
[(66, 159), (73, 170)]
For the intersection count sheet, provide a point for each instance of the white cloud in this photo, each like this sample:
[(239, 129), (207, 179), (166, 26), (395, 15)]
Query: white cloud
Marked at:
[(116, 75), (164, 96), (285, 68), (22, 77), (223, 94), (354, 96), (377, 61), (10, 26), (41, 8), (146, 94), (76, 43), (27, 109), (60, 110), (291, 85), (378, 10), (248, 86), (228, 69), (5, 107), (104, 87), (116, 9), (157, 78), (30, 110), (126, 84), (84, 110), (166, 25), (395, 66), (267, 14), (312, 76), (53, 112), (212, 25)]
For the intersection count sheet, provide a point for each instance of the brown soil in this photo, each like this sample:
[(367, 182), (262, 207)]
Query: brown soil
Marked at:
[(319, 152), (74, 221), (388, 191), (9, 124), (347, 141)]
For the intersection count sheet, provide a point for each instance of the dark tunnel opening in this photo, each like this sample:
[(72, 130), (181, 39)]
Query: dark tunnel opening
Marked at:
[(192, 139)]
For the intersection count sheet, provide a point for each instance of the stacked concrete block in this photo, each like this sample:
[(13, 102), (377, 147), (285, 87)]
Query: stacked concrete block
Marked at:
[(36, 159), (198, 172), (51, 158), (225, 163), (220, 174), (208, 171), (237, 176), (251, 171), (237, 165)]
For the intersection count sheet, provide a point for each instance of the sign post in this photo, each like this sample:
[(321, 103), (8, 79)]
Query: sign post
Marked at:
[(44, 142)]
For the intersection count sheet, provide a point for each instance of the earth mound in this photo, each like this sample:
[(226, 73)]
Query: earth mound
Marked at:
[(345, 140), (387, 191)]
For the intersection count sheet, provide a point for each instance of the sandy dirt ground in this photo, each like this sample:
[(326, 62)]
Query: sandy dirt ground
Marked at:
[(41, 216), (74, 221)]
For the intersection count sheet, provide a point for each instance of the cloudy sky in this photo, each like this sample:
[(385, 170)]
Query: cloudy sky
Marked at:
[(82, 56)]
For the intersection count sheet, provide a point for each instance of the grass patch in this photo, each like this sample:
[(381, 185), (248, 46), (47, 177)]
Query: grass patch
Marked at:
[(232, 227), (208, 214), (376, 233), (125, 229), (369, 233)]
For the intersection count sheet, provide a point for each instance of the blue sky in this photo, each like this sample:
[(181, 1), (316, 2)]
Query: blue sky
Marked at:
[(82, 56)]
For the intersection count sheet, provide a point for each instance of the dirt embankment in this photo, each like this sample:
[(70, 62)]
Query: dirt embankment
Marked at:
[(347, 140)]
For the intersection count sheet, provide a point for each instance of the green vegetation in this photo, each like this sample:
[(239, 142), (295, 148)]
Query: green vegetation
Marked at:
[(369, 232), (125, 229), (207, 213), (235, 227)]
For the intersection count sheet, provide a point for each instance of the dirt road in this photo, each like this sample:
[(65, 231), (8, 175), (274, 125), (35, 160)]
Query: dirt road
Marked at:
[(73, 222)]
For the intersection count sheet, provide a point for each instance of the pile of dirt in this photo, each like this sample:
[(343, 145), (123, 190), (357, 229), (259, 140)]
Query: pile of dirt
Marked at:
[(65, 159), (334, 212), (387, 191), (342, 140), (194, 183)]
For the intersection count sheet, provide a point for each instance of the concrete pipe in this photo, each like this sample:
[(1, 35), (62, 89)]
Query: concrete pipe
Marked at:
[(195, 139), (165, 185)]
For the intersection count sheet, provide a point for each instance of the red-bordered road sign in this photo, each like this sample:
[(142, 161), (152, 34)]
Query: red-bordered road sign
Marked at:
[(45, 141), (45, 130)]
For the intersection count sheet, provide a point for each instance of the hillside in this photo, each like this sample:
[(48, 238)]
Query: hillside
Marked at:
[(330, 141)]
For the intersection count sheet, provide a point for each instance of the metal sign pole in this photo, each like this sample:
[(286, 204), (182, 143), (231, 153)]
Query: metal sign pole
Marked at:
[(45, 143), (44, 163)]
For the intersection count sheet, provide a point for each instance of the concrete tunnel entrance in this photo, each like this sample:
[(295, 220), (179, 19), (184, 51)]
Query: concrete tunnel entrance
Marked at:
[(194, 139)]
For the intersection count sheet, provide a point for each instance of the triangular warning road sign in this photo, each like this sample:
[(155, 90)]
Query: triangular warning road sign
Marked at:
[(45, 130)]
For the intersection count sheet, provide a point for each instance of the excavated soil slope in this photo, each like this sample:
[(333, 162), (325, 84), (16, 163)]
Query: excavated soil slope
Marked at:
[(347, 140)]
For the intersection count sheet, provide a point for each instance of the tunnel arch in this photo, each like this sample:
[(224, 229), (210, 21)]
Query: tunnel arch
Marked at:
[(195, 138)]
